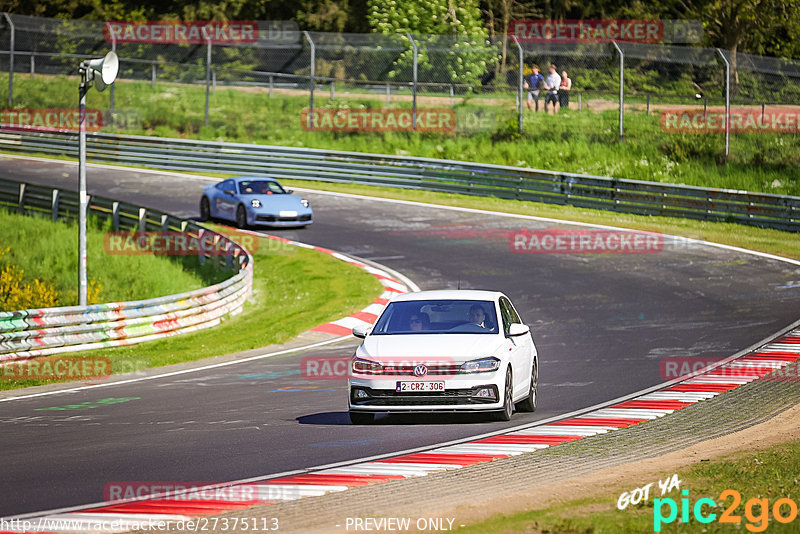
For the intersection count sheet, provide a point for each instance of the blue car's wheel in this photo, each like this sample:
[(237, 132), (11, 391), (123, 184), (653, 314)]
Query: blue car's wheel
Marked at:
[(205, 209), (241, 217)]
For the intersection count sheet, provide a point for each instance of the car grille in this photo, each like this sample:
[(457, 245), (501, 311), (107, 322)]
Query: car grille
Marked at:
[(389, 397), (274, 218), (400, 370)]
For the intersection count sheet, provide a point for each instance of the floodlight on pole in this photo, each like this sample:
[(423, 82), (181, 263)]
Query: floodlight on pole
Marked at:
[(101, 73)]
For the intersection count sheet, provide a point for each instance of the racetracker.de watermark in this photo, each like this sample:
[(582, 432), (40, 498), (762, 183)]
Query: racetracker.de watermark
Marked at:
[(742, 120), (569, 241), (182, 32), (176, 243), (586, 31), (378, 120), (49, 120), (57, 368), (683, 367)]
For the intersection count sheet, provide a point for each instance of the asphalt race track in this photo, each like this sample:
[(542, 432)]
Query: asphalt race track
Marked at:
[(602, 323)]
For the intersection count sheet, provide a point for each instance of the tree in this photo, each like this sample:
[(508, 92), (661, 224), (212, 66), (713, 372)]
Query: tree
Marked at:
[(453, 44)]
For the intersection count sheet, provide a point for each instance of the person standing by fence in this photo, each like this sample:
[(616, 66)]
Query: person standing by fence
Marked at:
[(551, 84), (563, 90), (533, 84)]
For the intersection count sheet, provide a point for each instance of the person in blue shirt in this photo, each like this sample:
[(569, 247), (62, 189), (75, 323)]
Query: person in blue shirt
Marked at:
[(533, 84)]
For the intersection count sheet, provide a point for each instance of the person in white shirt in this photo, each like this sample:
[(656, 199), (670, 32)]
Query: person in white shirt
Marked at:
[(551, 84)]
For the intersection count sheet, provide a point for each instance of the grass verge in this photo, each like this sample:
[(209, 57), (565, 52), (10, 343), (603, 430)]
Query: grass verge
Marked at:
[(294, 289), (770, 475), (48, 251)]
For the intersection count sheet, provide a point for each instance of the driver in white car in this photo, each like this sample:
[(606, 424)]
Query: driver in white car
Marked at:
[(476, 315)]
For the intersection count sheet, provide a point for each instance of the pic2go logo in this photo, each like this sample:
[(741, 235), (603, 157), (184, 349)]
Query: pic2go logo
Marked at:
[(756, 511)]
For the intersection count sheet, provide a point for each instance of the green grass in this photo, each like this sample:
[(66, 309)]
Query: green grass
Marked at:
[(48, 251), (771, 474), (585, 142), (294, 289)]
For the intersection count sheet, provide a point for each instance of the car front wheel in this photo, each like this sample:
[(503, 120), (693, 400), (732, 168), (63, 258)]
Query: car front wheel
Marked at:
[(529, 404), (508, 400)]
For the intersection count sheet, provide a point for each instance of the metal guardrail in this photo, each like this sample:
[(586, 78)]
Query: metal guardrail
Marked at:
[(39, 332), (581, 190)]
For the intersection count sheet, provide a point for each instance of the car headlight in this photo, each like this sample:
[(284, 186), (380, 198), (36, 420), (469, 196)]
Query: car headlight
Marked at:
[(362, 366), (305, 202), (482, 365), (255, 203)]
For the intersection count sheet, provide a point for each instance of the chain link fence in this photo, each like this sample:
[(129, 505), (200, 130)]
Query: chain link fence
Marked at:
[(312, 70)]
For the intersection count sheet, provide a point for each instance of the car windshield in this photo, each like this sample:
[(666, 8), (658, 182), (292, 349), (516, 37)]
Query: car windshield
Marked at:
[(260, 187), (438, 317)]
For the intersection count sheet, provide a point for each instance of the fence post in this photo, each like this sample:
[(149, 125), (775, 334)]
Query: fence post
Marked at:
[(415, 51), (388, 93), (208, 76), (270, 86), (214, 80), (621, 89), (311, 79), (520, 105), (11, 59), (333, 89), (451, 94), (727, 102), (648, 103), (153, 75), (33, 65), (580, 100)]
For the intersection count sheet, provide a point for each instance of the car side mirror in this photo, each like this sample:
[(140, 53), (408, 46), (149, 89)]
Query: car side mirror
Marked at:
[(518, 329), (361, 331), (229, 192), (290, 191)]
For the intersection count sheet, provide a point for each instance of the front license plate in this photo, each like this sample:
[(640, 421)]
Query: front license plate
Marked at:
[(409, 387), (288, 214)]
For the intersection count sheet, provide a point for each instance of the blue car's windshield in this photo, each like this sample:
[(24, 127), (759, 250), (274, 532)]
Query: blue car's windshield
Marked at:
[(438, 317), (260, 187)]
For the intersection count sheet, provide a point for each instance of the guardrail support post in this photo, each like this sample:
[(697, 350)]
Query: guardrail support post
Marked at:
[(21, 202), (621, 89), (727, 103), (142, 219), (115, 216), (201, 255), (54, 204), (311, 80), (11, 58), (520, 82), (164, 223), (414, 82)]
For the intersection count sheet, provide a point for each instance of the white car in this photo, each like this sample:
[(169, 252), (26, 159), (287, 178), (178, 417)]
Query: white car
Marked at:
[(444, 351)]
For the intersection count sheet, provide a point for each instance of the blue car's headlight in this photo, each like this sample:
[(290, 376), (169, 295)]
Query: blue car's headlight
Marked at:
[(483, 365), (255, 203), (305, 202)]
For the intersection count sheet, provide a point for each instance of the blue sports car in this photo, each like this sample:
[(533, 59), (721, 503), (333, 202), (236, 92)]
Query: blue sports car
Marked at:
[(254, 201)]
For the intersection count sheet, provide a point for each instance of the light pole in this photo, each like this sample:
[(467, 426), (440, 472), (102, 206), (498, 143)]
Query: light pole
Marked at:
[(101, 73)]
